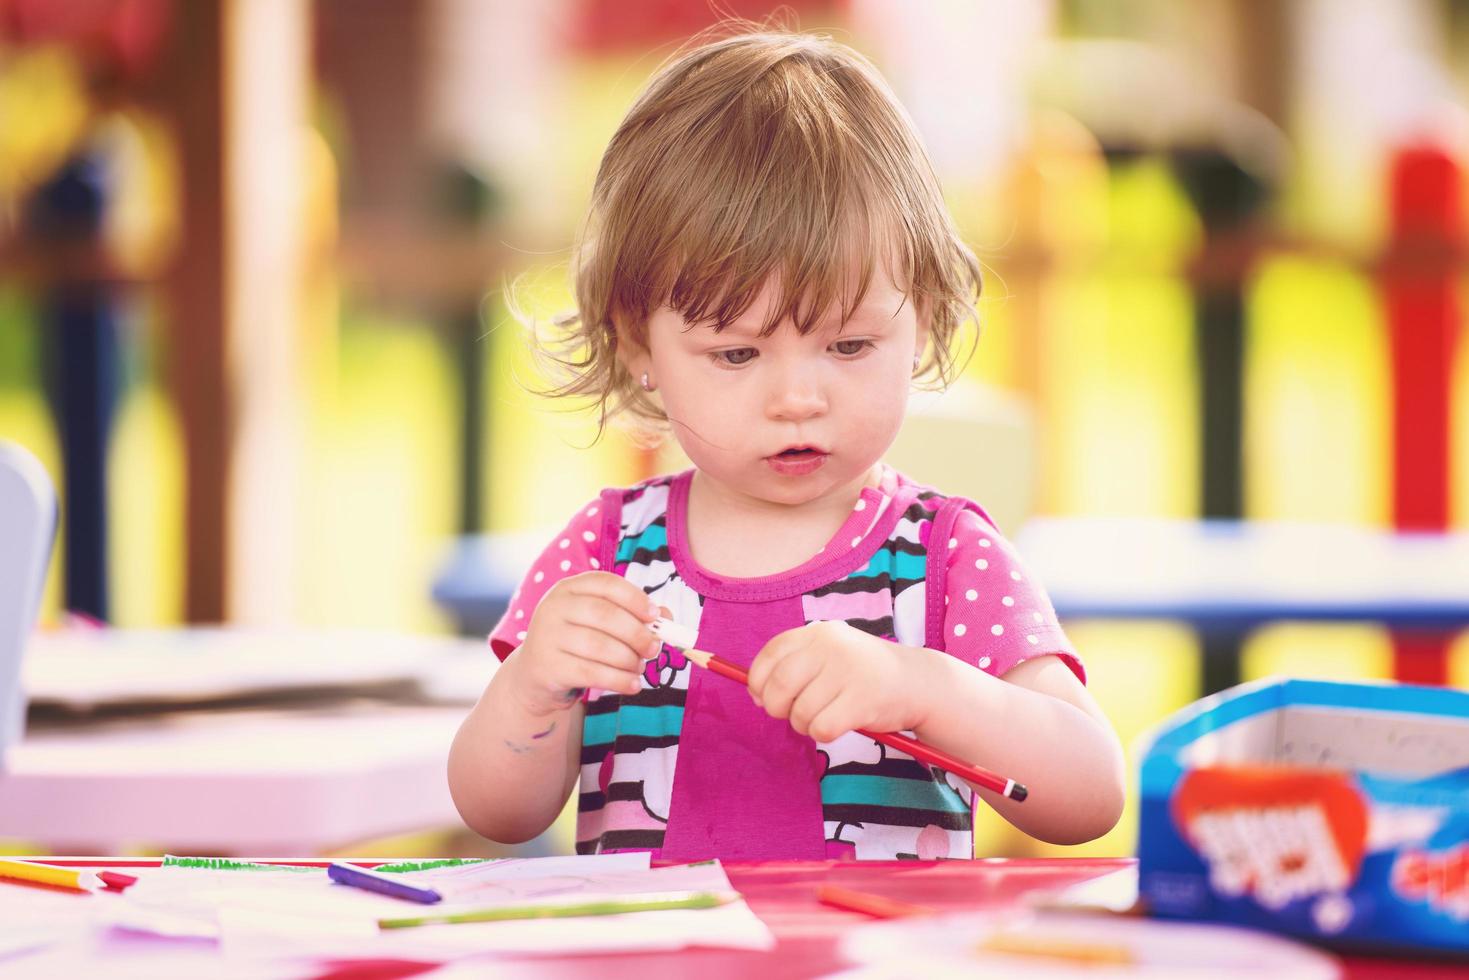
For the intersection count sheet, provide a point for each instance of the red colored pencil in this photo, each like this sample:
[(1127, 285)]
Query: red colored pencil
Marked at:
[(919, 750)]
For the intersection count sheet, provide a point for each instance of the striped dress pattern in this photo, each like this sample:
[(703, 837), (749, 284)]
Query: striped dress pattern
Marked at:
[(877, 803)]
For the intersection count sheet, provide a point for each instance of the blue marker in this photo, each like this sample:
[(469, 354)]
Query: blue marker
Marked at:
[(376, 881)]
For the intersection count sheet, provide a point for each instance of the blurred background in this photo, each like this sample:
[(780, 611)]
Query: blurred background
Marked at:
[(253, 259)]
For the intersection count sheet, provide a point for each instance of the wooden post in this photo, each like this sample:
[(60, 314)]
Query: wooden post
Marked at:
[(267, 91), (193, 98), (236, 95), (1228, 198), (1420, 294)]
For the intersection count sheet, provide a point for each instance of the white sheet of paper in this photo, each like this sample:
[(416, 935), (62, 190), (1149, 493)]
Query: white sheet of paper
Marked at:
[(255, 931), (248, 935), (292, 914), (185, 901), (469, 887), (32, 918), (522, 879), (1115, 891)]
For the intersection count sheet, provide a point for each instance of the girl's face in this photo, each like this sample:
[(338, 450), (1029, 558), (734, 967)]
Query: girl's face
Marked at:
[(787, 419)]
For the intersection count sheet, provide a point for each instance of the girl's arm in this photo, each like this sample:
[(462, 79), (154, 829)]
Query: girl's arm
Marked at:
[(511, 771), (515, 759), (1038, 726)]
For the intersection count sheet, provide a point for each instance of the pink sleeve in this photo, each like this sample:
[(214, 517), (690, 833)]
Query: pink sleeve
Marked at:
[(571, 552), (996, 615)]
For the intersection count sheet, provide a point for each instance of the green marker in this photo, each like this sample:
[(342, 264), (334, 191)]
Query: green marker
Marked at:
[(653, 902)]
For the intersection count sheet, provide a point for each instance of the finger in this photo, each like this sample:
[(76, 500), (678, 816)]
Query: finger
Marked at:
[(616, 589), (834, 720), (769, 657), (787, 680), (595, 612), (822, 691), (592, 644), (591, 673)]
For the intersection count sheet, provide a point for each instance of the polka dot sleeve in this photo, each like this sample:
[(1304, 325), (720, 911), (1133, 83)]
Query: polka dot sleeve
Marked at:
[(996, 615), (571, 552)]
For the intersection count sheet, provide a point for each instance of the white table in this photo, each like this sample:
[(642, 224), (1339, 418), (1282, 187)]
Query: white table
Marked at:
[(1243, 574), (1227, 577), (278, 780)]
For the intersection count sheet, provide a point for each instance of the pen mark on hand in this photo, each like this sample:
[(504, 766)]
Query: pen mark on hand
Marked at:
[(517, 747), (546, 732), (570, 696)]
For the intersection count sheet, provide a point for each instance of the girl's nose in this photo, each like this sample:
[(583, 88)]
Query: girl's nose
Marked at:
[(795, 396)]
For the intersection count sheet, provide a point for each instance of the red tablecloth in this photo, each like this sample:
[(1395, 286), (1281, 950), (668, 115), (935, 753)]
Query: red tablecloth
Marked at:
[(784, 895)]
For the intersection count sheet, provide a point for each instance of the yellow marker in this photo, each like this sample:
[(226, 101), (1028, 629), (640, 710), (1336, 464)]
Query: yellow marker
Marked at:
[(1058, 947), (50, 874)]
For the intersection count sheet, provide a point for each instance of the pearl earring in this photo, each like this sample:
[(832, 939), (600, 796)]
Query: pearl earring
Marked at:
[(646, 386)]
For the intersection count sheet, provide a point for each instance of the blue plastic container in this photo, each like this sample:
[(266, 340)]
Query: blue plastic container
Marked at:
[(1336, 813)]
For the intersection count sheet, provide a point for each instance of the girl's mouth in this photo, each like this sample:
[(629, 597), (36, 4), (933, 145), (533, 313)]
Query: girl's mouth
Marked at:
[(797, 461)]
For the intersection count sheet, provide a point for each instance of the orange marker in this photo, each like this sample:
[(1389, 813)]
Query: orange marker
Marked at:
[(874, 905)]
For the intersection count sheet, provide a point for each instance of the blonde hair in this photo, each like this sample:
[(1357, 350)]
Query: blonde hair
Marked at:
[(760, 154)]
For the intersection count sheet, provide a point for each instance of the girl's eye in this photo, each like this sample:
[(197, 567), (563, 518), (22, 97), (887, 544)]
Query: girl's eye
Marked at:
[(851, 348), (740, 355)]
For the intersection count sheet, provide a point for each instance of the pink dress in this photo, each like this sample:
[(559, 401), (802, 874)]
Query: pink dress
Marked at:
[(691, 768)]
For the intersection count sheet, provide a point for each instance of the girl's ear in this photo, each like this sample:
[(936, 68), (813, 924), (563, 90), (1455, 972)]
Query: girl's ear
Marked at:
[(920, 336), (633, 356)]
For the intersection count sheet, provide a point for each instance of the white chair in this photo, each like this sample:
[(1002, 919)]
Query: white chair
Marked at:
[(972, 441), (27, 528)]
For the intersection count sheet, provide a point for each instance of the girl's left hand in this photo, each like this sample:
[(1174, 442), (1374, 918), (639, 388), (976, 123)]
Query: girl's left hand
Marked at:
[(831, 678)]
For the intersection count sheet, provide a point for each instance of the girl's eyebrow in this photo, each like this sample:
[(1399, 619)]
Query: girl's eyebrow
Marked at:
[(739, 330), (872, 311)]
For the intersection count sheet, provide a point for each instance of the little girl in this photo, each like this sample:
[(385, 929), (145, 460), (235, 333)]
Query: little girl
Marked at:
[(767, 268)]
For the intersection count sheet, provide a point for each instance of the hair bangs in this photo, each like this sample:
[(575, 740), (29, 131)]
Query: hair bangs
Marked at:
[(815, 268)]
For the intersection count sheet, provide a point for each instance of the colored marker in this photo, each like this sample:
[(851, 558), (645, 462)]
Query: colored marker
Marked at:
[(383, 884), (877, 906), (1058, 947), (50, 874), (116, 882), (654, 902)]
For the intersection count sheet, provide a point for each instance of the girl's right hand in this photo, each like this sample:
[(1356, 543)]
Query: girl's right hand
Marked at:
[(589, 630)]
